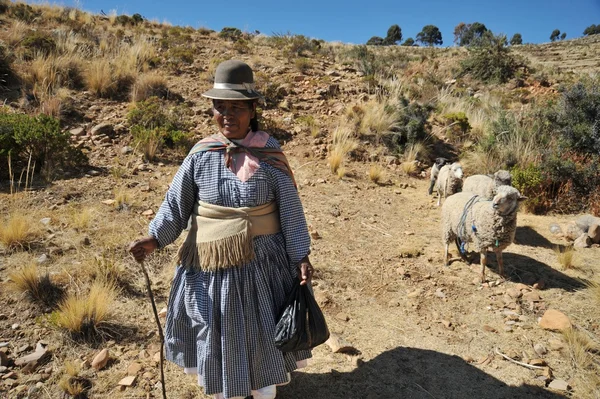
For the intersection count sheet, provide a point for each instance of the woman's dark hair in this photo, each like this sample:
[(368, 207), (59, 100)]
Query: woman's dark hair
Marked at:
[(254, 121)]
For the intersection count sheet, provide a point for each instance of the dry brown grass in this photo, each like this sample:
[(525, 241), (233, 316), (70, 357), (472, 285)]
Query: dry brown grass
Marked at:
[(580, 347), (38, 288), (148, 85), (377, 120), (15, 33), (100, 79), (375, 173), (16, 232), (343, 142), (71, 383), (86, 316), (566, 257)]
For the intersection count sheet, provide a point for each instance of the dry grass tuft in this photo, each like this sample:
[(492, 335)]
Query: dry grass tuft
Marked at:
[(99, 78), (377, 119), (343, 143), (72, 384), (85, 317), (39, 289), (16, 232), (148, 85), (375, 173), (566, 257), (81, 218), (580, 347), (409, 167)]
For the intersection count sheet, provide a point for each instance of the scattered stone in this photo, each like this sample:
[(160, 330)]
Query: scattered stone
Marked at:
[(339, 345), (33, 358), (77, 132), (45, 221), (555, 320), (102, 128), (315, 235), (514, 293), (556, 344), (134, 368), (127, 381), (583, 241), (540, 349), (489, 328), (415, 293), (3, 359), (126, 150), (100, 360), (532, 296), (148, 212), (439, 293), (109, 202), (559, 385), (537, 362), (156, 357), (162, 313)]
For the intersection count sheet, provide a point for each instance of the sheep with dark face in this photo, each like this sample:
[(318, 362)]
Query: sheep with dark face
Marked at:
[(485, 185), (435, 171), (449, 181), (482, 224)]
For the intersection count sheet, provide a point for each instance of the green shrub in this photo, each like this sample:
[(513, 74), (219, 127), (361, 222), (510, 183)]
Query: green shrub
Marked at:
[(491, 60), (411, 125), (137, 18), (153, 113), (38, 43), (124, 20), (23, 12), (578, 115), (230, 33), (458, 124), (3, 6), (37, 137), (153, 140), (179, 56), (5, 66), (529, 182), (302, 64)]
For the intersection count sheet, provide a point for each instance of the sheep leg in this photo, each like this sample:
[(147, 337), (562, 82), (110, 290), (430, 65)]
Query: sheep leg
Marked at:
[(430, 190), (446, 254), (439, 198), (500, 263), (483, 262)]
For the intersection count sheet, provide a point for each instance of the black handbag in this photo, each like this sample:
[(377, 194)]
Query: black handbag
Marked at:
[(301, 324)]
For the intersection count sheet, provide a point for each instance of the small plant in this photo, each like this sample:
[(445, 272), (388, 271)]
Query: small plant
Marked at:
[(230, 33), (39, 289), (87, 316), (458, 124), (72, 384), (16, 233), (409, 167), (580, 346), (37, 43), (566, 257), (375, 173), (309, 123), (99, 79), (149, 85), (302, 64), (81, 218), (336, 157), (122, 200)]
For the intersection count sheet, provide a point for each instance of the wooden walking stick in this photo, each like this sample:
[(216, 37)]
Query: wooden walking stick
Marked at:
[(160, 330)]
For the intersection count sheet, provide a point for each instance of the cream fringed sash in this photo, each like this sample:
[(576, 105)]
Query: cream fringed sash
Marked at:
[(221, 237)]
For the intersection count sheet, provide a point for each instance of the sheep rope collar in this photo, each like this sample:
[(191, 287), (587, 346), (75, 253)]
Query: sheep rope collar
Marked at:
[(460, 243)]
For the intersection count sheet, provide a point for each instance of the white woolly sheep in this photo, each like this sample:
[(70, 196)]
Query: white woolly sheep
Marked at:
[(449, 181), (485, 185), (483, 224), (435, 170)]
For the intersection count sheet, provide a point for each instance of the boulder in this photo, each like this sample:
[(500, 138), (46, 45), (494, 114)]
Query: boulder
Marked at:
[(555, 320)]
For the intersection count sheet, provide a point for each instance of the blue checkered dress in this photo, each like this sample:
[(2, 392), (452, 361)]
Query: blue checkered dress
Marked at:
[(223, 322)]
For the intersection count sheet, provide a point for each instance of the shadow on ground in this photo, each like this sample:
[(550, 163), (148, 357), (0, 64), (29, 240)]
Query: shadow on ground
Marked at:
[(409, 373), (523, 269), (525, 235)]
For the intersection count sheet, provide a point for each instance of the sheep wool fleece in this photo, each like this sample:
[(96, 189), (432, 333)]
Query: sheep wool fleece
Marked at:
[(493, 231), (221, 323)]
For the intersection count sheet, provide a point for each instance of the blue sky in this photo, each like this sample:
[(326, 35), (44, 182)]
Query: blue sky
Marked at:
[(352, 21)]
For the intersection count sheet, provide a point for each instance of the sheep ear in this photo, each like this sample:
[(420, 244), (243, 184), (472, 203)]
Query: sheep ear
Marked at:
[(522, 198)]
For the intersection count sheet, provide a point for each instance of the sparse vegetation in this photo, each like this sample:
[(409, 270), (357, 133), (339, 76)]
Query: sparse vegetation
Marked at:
[(86, 316), (16, 232), (38, 288), (375, 173), (566, 257)]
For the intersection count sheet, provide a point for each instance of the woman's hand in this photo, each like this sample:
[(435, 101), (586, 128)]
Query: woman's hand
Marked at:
[(142, 248), (306, 271)]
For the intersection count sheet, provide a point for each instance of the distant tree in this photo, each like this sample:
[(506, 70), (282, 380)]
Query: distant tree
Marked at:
[(554, 35), (469, 34), (591, 30), (430, 36), (375, 41), (516, 39), (563, 36), (459, 32), (409, 42), (137, 18), (394, 34)]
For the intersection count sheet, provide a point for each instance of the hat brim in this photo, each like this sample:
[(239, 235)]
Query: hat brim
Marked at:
[(228, 94)]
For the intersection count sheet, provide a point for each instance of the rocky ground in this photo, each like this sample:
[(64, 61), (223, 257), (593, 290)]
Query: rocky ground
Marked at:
[(403, 325)]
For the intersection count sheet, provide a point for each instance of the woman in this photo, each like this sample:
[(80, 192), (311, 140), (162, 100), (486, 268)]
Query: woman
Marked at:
[(247, 245)]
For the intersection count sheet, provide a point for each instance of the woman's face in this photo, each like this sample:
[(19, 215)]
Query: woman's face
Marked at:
[(233, 117)]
